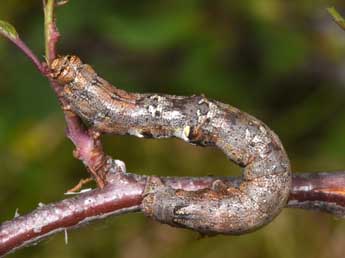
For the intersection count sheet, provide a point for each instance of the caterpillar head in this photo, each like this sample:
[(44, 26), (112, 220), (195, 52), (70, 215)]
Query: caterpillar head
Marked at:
[(63, 69)]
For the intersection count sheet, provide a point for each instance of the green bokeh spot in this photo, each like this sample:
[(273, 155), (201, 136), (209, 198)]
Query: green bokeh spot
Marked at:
[(152, 32)]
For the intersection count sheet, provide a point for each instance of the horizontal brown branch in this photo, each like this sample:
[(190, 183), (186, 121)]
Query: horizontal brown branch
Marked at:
[(317, 191)]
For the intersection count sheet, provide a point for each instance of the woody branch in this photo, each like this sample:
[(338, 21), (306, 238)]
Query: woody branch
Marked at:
[(317, 191)]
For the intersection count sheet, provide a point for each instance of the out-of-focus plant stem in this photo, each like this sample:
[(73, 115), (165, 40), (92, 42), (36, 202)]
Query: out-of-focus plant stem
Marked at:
[(337, 17)]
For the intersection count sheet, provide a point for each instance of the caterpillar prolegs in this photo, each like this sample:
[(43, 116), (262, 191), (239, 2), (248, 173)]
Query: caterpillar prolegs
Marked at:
[(266, 181)]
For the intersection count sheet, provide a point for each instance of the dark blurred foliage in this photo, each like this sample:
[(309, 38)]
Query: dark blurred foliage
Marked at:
[(281, 61)]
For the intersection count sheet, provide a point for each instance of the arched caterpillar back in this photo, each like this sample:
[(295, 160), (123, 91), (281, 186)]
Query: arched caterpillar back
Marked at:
[(245, 140)]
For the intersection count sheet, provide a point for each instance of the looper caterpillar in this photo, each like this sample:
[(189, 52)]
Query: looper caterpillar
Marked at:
[(248, 142)]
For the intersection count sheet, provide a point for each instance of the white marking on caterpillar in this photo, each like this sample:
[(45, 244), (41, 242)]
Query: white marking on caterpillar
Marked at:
[(135, 132), (183, 133)]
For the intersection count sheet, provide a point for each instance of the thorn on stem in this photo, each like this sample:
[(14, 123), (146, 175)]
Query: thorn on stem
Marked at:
[(16, 213), (61, 2), (66, 237), (80, 184)]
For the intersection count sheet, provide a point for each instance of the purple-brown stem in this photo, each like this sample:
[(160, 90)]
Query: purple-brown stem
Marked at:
[(27, 51), (41, 67), (321, 191), (122, 195), (88, 147), (51, 33)]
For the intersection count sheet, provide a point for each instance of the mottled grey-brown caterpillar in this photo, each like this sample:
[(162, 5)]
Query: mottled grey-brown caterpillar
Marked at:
[(245, 140)]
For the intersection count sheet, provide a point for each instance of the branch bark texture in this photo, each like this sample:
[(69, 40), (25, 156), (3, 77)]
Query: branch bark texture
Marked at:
[(317, 191)]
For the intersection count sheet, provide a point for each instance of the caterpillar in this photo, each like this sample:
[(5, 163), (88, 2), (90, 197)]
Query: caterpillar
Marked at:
[(265, 184)]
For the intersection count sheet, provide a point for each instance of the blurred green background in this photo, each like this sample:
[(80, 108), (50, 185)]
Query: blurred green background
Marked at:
[(281, 61)]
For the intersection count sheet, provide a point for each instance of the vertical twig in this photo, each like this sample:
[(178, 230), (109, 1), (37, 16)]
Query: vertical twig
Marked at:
[(88, 145), (51, 34)]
